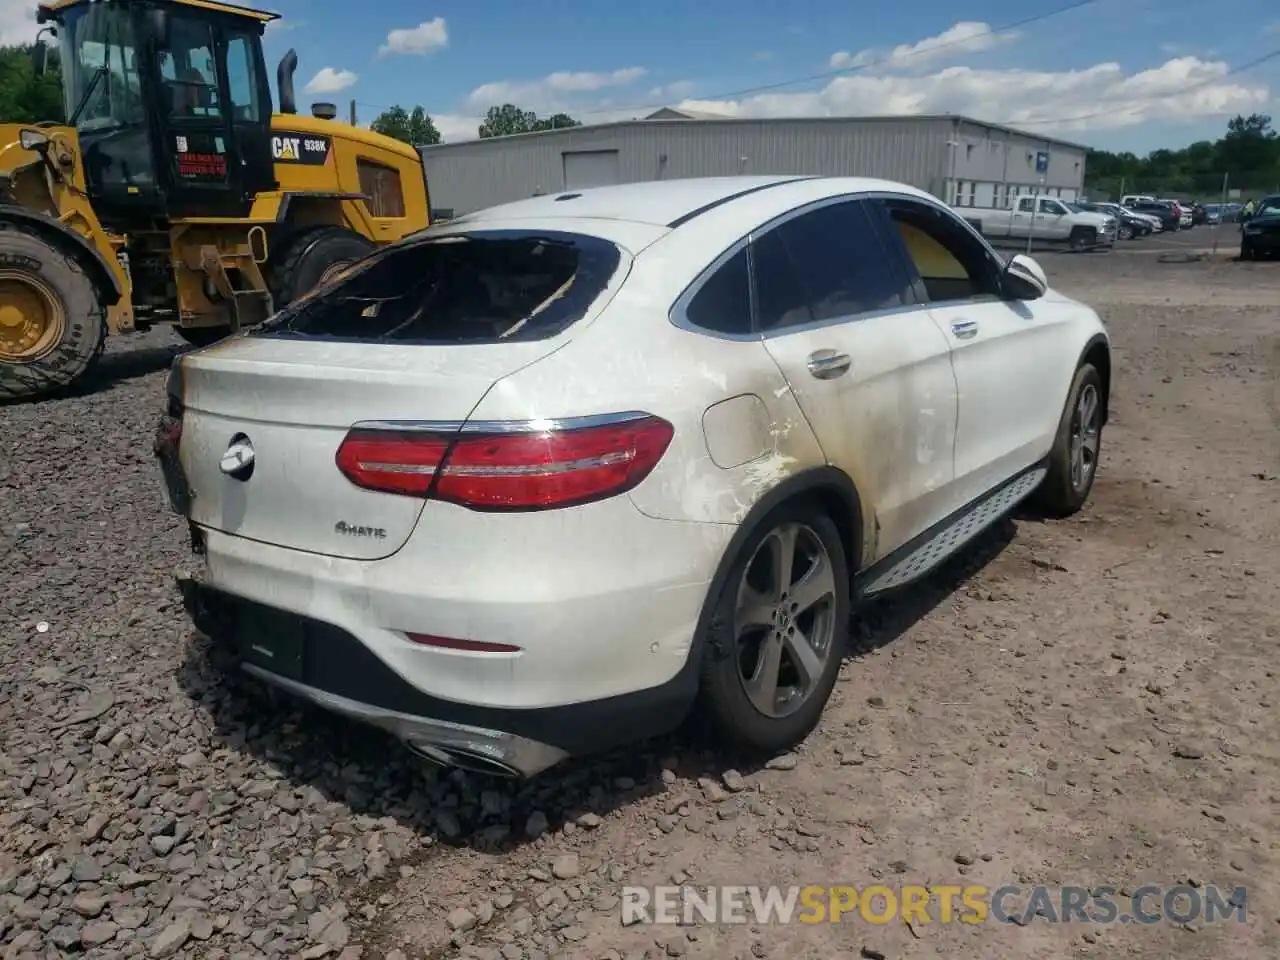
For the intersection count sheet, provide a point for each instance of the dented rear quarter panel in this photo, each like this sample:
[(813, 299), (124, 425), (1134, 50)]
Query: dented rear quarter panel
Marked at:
[(635, 358)]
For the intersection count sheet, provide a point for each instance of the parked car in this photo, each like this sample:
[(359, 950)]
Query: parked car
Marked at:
[(1131, 224), (1260, 233), (1046, 219), (529, 484), (1214, 213), (1170, 219), (1183, 212)]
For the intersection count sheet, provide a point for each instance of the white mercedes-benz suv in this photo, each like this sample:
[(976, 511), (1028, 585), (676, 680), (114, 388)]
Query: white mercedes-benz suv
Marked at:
[(532, 483)]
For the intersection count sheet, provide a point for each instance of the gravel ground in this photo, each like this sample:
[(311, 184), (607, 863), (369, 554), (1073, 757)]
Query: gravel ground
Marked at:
[(1080, 702)]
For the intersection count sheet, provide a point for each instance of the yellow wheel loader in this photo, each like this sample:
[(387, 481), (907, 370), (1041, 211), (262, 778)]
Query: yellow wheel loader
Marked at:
[(173, 193)]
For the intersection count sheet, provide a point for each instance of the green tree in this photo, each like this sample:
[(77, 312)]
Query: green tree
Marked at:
[(414, 127), (508, 119), (1248, 154), (24, 96)]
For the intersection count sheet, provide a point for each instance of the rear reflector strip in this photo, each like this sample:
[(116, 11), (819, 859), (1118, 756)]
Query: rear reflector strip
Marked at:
[(466, 646)]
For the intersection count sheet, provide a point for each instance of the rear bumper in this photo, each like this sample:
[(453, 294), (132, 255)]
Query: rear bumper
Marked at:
[(606, 656), (335, 671)]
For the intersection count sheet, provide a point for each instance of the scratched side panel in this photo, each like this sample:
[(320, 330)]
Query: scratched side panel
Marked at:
[(634, 358)]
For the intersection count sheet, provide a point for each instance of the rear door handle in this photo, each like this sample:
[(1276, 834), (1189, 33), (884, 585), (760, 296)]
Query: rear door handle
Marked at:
[(964, 329), (827, 364)]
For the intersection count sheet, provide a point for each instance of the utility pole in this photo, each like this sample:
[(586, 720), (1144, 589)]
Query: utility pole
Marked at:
[(353, 114)]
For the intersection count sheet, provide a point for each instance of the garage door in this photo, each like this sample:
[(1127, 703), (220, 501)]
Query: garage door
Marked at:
[(590, 168)]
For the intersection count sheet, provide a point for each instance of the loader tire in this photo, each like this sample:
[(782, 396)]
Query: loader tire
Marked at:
[(52, 323), (313, 257)]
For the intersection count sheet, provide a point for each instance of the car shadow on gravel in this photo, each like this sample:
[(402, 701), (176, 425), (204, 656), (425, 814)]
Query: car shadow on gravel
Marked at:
[(123, 365), (296, 755), (111, 370)]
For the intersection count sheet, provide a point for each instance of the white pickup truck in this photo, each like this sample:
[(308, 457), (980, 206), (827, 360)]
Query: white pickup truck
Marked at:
[(1044, 219)]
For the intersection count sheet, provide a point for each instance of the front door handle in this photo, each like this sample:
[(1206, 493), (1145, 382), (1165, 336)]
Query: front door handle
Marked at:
[(827, 364), (964, 329)]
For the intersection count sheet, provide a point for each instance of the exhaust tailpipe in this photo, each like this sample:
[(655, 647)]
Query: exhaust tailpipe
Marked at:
[(460, 759), (284, 81)]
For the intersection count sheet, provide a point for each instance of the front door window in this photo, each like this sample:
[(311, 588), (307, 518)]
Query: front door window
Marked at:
[(188, 74), (103, 86)]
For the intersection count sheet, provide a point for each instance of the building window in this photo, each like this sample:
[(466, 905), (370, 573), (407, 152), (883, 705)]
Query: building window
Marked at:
[(382, 186)]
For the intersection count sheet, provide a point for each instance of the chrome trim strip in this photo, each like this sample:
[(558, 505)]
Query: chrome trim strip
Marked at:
[(529, 757), (531, 425)]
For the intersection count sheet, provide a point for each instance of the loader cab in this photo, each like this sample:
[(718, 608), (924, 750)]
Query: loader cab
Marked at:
[(171, 104)]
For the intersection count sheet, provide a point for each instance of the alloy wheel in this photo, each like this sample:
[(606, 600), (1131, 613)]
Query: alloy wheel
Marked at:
[(784, 620), (1085, 434)]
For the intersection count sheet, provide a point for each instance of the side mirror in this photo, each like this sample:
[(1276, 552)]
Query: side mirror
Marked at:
[(39, 57), (1024, 278)]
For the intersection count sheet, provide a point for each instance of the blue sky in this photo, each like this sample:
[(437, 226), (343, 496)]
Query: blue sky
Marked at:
[(1154, 70), (1146, 73)]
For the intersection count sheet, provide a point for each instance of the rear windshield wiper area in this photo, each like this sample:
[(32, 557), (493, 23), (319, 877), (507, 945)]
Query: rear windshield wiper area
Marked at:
[(479, 287)]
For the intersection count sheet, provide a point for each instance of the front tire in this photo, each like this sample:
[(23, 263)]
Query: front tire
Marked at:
[(312, 258), (1082, 238), (1073, 461), (52, 322), (778, 631)]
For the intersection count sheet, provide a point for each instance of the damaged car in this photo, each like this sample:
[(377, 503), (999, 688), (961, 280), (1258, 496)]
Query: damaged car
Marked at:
[(538, 482)]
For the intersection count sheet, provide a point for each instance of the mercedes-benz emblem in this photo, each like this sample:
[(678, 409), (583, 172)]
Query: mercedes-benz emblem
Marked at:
[(237, 462)]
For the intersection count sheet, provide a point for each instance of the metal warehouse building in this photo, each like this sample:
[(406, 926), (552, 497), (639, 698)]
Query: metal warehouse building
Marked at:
[(962, 161)]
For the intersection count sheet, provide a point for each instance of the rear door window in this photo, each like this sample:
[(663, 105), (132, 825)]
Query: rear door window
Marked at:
[(823, 265), (478, 287)]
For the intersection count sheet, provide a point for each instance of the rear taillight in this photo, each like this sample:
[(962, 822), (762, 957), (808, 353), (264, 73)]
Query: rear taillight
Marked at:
[(393, 461), (518, 467)]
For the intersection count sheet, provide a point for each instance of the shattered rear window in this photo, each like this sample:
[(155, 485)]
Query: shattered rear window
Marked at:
[(478, 287)]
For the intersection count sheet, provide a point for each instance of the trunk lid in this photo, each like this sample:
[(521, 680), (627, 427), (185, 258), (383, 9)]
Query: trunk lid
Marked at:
[(293, 402), (417, 331)]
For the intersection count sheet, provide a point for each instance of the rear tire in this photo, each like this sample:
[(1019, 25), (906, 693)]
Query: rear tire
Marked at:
[(776, 637), (52, 321), (314, 256), (1073, 461)]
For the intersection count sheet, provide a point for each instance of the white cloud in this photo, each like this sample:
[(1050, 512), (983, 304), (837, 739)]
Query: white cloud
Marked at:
[(454, 127), (427, 37), (329, 80), (680, 90), (966, 37), (17, 22), (549, 94), (1181, 89)]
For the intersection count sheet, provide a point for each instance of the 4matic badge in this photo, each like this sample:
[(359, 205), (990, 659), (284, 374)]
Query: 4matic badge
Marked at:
[(351, 530)]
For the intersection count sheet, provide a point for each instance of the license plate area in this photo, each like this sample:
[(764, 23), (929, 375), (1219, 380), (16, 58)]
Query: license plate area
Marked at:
[(272, 640)]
